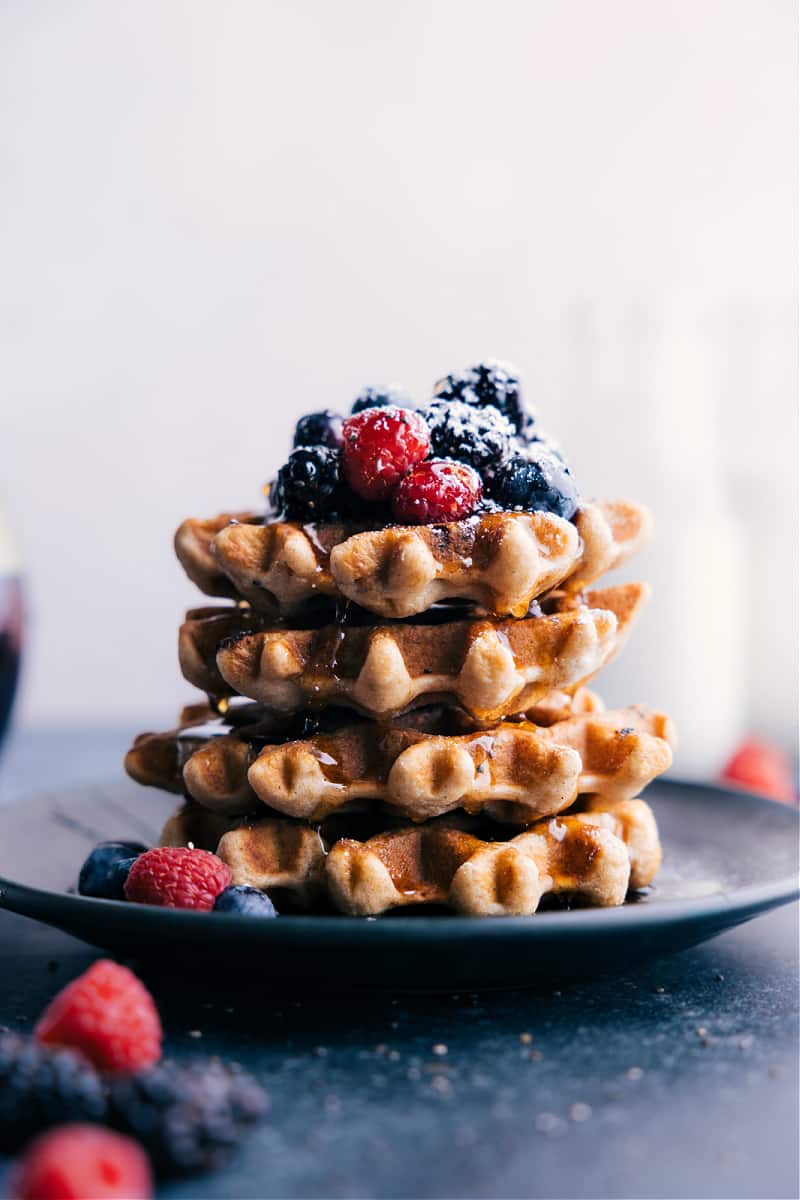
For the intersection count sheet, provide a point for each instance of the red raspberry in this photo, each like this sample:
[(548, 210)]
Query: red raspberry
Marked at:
[(437, 491), (177, 877), (82, 1162), (379, 446), (108, 1015), (762, 767)]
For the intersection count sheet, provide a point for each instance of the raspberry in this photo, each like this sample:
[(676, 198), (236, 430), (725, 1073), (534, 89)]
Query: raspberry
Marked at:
[(82, 1162), (177, 877), (761, 767), (189, 1118), (108, 1015), (437, 491), (42, 1086), (380, 446)]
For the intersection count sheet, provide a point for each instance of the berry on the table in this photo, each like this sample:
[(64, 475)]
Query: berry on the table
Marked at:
[(42, 1086), (108, 1015), (379, 446), (488, 383), (436, 491), (247, 901), (536, 482), (761, 766), (82, 1162), (104, 872), (189, 1118), (381, 397), (480, 437), (309, 484), (177, 877), (319, 429)]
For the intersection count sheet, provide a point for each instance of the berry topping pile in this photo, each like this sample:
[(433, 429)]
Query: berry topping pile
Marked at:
[(473, 446)]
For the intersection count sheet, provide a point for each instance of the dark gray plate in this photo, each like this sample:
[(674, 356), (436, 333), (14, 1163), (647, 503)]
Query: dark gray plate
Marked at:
[(728, 857)]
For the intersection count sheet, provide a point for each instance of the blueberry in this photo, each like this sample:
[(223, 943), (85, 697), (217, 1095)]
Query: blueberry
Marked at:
[(104, 873), (534, 482), (480, 437), (381, 397), (247, 901), (489, 383), (309, 485), (319, 429)]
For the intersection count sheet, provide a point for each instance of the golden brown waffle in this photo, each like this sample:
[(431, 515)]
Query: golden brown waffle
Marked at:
[(501, 561), (586, 855), (193, 541), (611, 532), (284, 858), (192, 825), (560, 706), (516, 772), (490, 667)]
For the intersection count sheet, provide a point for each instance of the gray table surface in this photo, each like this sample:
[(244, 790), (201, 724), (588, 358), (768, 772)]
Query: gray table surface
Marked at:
[(679, 1079)]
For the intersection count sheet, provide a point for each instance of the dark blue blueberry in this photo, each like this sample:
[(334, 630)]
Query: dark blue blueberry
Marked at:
[(309, 486), (319, 429), (538, 481), (480, 437), (489, 383), (381, 397), (247, 901), (104, 873)]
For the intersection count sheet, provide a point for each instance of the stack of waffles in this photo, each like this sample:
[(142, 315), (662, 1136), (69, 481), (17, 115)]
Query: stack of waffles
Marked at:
[(400, 715)]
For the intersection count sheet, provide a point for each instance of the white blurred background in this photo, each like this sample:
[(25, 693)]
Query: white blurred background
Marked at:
[(217, 216)]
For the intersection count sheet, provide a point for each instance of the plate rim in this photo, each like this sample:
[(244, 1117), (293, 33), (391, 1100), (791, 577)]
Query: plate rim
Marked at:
[(27, 900)]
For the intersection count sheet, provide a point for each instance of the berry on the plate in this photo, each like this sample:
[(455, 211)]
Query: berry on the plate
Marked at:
[(379, 446), (247, 901), (488, 383), (436, 491), (309, 484), (104, 873), (762, 767), (189, 1118), (535, 482), (82, 1162), (381, 397), (177, 877), (108, 1015), (319, 429), (42, 1086), (480, 437)]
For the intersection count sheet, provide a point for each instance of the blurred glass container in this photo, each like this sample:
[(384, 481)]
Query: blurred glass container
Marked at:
[(11, 624)]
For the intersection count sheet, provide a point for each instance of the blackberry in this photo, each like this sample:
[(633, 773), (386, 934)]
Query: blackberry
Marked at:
[(381, 397), (534, 482), (309, 484), (319, 429), (188, 1118), (480, 437), (40, 1087), (489, 383)]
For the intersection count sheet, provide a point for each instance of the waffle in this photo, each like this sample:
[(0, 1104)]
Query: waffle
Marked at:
[(192, 825), (516, 772), (490, 667), (501, 561), (281, 857), (193, 542), (585, 855)]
